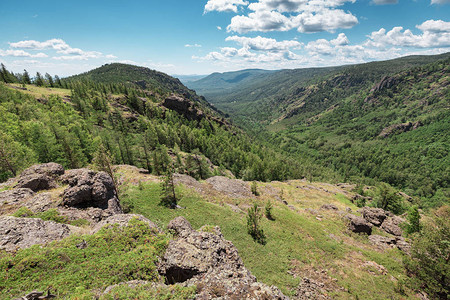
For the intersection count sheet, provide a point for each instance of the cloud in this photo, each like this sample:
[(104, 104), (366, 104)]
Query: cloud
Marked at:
[(265, 44), (110, 56), (435, 34), (224, 5), (192, 46), (21, 53), (383, 2), (440, 1), (284, 15), (60, 46), (219, 28)]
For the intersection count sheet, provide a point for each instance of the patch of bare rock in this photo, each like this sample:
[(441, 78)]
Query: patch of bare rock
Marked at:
[(212, 263), (234, 188)]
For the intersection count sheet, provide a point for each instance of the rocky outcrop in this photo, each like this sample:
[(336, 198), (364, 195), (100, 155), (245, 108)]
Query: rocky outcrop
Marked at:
[(389, 242), (184, 107), (232, 187), (122, 220), (90, 189), (399, 128), (40, 177), (392, 225), (310, 289), (386, 220), (18, 233), (358, 224), (329, 207), (212, 263), (376, 216), (15, 196)]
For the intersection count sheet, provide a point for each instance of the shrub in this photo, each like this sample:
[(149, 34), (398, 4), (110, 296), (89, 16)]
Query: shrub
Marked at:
[(414, 220), (268, 210), (254, 188), (253, 228)]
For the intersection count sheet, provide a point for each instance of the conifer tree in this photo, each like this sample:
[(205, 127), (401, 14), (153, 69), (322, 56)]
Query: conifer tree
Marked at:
[(26, 77), (168, 195), (39, 81)]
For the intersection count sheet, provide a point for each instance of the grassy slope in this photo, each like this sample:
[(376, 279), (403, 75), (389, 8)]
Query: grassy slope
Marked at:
[(296, 241)]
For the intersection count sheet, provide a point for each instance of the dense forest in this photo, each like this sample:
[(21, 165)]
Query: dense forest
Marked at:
[(67, 121), (371, 123)]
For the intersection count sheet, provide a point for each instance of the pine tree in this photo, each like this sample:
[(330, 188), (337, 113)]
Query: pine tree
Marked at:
[(102, 160), (414, 220), (26, 77), (39, 81), (49, 79), (168, 195), (253, 228)]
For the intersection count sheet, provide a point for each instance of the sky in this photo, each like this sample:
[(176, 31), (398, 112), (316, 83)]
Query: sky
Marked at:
[(205, 36)]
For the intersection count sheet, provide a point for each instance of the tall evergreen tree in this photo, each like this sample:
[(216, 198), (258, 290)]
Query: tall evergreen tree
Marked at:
[(26, 77), (39, 81)]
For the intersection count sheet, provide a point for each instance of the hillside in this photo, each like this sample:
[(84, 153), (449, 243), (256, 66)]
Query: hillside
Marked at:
[(317, 245), (382, 121)]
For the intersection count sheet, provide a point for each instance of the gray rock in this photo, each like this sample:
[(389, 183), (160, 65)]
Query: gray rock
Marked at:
[(391, 225), (15, 196), (90, 189), (232, 187), (375, 216), (25, 232), (329, 207), (51, 169), (358, 224), (36, 182), (122, 220), (389, 242), (212, 263)]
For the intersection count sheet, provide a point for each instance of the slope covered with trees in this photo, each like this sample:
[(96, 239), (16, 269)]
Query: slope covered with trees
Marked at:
[(377, 122), (132, 122)]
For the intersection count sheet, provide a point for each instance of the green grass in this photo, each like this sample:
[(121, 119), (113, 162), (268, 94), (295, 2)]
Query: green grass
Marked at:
[(112, 255), (292, 237)]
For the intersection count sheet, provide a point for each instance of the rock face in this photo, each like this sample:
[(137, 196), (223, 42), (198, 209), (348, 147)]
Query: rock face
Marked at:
[(15, 196), (232, 187), (90, 189), (386, 242), (40, 177), (25, 232), (184, 107), (212, 263), (399, 128), (391, 225), (376, 216), (358, 224), (122, 220)]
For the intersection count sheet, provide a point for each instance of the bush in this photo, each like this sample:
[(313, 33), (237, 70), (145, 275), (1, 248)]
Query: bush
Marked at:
[(254, 188), (414, 220), (268, 210), (253, 218), (428, 266)]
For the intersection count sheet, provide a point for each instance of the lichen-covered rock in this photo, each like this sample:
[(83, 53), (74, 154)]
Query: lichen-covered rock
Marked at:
[(40, 177), (232, 187), (358, 224), (389, 242), (329, 207), (15, 196), (25, 232), (392, 225), (50, 169), (122, 220), (212, 263), (88, 188), (376, 216), (36, 182)]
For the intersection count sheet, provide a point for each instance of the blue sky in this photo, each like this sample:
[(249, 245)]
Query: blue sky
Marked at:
[(201, 37)]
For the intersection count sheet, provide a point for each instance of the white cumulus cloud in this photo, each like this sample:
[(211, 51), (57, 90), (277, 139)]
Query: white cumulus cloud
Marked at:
[(266, 44), (21, 53), (223, 5)]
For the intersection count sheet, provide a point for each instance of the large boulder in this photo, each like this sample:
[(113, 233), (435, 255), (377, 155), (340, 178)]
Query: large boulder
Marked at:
[(88, 188), (15, 196), (51, 169), (390, 242), (36, 182), (40, 177), (392, 225), (18, 233), (122, 220), (210, 262), (376, 216), (358, 224)]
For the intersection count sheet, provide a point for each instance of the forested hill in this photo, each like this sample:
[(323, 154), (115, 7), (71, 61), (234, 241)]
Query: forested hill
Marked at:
[(269, 96), (70, 121), (137, 77), (377, 122)]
